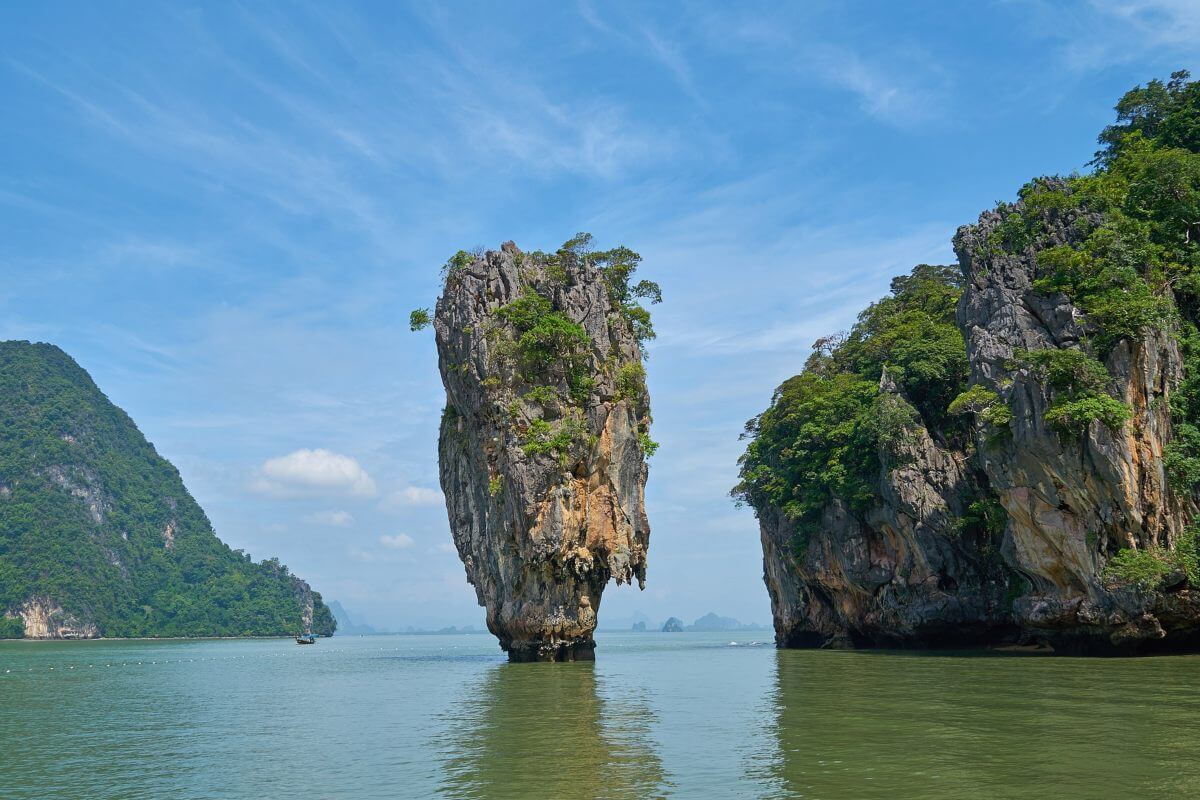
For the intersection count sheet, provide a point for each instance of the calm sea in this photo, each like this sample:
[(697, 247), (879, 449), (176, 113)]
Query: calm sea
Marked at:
[(659, 715)]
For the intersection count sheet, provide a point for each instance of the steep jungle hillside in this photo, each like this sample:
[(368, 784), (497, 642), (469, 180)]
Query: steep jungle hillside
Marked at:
[(99, 536)]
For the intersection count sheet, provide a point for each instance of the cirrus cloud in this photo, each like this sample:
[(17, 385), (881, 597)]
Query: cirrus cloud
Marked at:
[(313, 471)]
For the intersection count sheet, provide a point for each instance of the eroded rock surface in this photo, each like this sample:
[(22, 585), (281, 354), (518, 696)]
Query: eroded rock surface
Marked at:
[(542, 444), (903, 572), (1074, 500)]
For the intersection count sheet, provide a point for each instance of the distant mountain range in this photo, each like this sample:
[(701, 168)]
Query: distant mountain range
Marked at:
[(708, 622), (346, 626)]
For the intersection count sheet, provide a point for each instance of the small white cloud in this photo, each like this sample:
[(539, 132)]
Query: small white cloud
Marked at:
[(411, 496), (333, 519), (320, 471), (398, 542)]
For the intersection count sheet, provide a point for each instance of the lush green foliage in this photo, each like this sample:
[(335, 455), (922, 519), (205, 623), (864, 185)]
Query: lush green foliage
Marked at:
[(1150, 565), (618, 266), (65, 447), (1078, 382), (631, 381), (11, 628), (985, 516), (1121, 243), (823, 434), (419, 319), (545, 337), (983, 403), (543, 438), (1166, 114)]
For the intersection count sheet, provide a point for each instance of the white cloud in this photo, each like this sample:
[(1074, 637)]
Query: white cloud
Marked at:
[(333, 519), (398, 542), (320, 471), (410, 496)]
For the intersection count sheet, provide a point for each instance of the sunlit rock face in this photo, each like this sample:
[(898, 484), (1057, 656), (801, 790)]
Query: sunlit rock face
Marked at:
[(1073, 501), (897, 570), (542, 451), (900, 573)]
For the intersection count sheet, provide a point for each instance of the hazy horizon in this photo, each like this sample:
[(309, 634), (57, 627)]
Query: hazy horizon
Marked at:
[(225, 213)]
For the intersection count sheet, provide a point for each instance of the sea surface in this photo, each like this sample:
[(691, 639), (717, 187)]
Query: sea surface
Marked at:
[(688, 715)]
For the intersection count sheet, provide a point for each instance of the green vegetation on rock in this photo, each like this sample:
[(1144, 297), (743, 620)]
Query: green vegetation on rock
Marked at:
[(1131, 261), (1150, 566), (823, 434), (94, 520), (550, 356)]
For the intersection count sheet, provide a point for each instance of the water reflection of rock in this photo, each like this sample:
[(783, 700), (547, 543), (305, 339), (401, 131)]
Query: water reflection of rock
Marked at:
[(550, 731)]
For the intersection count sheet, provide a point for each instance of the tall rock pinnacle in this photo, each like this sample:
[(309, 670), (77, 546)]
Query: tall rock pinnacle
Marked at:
[(545, 435)]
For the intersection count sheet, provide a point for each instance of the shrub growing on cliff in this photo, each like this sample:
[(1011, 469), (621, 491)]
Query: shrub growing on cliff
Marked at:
[(1150, 565), (618, 266), (419, 319), (983, 403), (548, 342), (1078, 381)]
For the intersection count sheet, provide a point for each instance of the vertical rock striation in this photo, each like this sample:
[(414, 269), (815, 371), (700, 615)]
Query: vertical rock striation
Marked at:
[(899, 572), (543, 441), (1073, 500)]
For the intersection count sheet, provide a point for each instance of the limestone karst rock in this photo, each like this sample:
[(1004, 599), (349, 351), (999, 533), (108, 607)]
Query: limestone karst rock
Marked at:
[(544, 437), (1009, 451), (1074, 500)]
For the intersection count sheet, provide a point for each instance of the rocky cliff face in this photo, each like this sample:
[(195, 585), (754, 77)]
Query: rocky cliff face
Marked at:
[(1074, 500), (543, 443), (1028, 469), (1054, 498), (902, 571)]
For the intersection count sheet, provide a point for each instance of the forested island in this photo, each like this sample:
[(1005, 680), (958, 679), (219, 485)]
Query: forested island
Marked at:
[(1008, 449), (99, 536)]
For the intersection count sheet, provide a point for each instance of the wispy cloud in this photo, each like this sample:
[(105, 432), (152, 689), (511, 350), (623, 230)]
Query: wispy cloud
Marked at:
[(1095, 35), (332, 519), (410, 497)]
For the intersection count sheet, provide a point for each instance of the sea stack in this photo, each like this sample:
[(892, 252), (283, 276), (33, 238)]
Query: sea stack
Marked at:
[(544, 437)]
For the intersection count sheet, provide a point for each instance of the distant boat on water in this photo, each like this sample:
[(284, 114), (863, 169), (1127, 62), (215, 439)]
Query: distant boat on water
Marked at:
[(306, 638)]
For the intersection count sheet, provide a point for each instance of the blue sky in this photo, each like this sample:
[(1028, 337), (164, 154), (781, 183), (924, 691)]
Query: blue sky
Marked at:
[(225, 211)]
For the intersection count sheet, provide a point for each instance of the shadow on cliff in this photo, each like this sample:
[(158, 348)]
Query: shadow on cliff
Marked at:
[(549, 730)]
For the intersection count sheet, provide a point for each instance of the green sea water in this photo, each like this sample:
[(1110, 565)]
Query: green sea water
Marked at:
[(658, 715)]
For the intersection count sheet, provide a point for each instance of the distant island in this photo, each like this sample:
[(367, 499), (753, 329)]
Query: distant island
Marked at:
[(706, 623), (346, 625), (98, 535)]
